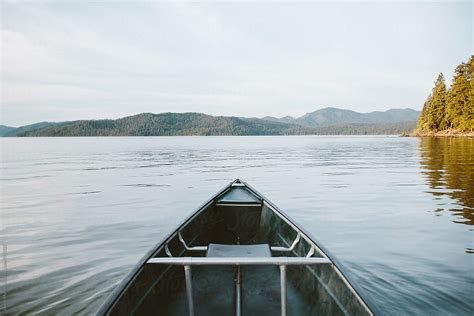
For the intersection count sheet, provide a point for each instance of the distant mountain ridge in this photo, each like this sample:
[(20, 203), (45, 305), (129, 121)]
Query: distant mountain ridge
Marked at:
[(328, 121), (4, 130), (8, 131), (334, 116)]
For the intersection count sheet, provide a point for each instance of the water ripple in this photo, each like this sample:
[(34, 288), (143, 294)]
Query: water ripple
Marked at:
[(78, 213)]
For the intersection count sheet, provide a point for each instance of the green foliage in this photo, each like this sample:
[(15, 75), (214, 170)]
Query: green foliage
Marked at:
[(422, 125), (180, 124), (166, 124), (452, 109), (467, 123), (438, 105), (457, 98), (7, 131)]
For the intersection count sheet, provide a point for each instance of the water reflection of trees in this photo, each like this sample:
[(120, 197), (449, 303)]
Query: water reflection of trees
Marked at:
[(448, 165)]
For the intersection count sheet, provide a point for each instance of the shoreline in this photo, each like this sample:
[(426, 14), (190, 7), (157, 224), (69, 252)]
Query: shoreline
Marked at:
[(445, 133)]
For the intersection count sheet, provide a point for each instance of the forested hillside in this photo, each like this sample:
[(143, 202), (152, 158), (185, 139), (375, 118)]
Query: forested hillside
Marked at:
[(450, 110), (8, 131), (334, 116), (366, 129), (167, 124), (181, 124)]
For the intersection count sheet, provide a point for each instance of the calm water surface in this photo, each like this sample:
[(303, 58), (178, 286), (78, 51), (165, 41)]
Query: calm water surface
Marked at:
[(78, 213)]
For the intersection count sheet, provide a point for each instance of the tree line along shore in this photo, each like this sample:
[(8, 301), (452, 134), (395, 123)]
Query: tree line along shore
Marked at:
[(449, 111)]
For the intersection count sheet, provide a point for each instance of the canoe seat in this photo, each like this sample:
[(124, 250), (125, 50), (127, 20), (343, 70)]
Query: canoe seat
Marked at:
[(220, 250)]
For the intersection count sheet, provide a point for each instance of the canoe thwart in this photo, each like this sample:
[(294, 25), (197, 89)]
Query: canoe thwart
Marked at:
[(243, 261)]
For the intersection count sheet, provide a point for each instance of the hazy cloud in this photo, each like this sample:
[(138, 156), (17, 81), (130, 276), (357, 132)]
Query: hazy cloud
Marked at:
[(68, 60)]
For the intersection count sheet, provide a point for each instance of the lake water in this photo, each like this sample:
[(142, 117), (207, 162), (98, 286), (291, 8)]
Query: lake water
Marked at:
[(78, 213)]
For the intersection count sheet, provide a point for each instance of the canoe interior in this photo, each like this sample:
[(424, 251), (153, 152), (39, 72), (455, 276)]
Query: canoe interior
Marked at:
[(238, 216)]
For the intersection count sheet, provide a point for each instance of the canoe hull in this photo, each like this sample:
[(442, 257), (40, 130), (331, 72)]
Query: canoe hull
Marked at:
[(161, 289)]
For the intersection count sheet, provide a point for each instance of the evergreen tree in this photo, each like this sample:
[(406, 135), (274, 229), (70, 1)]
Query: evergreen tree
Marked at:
[(422, 125), (437, 107), (457, 98), (467, 121), (452, 109)]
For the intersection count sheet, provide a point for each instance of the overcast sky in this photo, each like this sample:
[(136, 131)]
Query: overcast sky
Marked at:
[(79, 60)]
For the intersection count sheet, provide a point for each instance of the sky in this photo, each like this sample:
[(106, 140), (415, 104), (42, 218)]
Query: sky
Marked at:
[(69, 60)]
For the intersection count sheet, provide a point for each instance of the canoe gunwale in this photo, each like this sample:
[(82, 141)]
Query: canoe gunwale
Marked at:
[(120, 289)]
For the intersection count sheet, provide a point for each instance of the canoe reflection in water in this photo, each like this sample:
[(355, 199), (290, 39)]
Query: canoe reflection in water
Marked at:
[(237, 254)]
